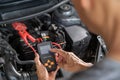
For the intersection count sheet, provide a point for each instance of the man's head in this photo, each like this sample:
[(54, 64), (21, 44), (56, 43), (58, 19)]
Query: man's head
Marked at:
[(100, 16)]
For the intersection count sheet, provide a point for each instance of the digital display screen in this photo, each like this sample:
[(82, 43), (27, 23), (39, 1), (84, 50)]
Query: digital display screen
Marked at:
[(45, 49)]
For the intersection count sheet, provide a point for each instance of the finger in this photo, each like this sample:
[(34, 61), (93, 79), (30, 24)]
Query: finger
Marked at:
[(57, 68), (56, 58), (60, 51), (36, 55), (37, 60), (59, 59), (57, 54)]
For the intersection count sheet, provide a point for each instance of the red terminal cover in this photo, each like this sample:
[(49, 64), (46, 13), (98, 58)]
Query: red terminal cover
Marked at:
[(21, 28)]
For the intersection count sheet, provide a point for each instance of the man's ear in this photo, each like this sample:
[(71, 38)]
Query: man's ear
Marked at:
[(87, 4)]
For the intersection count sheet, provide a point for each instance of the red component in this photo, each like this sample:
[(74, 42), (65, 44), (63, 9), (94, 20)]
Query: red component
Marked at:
[(56, 44), (39, 40), (21, 28)]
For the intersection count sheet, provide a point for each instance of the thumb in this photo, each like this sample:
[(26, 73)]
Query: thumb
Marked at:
[(57, 68), (37, 59), (36, 55)]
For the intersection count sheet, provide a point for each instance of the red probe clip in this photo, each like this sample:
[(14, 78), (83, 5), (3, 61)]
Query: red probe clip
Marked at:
[(21, 28)]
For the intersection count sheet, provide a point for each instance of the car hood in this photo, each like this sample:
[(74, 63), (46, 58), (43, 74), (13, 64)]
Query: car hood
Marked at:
[(12, 9)]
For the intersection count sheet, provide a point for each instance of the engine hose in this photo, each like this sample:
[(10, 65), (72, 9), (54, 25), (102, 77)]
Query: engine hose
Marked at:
[(36, 14), (13, 74), (23, 62)]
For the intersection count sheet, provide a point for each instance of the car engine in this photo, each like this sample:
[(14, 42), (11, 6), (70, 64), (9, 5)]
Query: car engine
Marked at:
[(61, 26)]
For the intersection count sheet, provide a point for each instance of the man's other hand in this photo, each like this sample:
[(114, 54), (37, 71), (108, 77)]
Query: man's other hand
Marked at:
[(69, 61)]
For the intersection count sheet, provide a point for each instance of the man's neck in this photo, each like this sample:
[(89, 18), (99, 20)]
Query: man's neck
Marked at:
[(114, 51), (114, 44)]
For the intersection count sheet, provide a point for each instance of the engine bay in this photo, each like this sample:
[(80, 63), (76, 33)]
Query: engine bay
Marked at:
[(62, 27)]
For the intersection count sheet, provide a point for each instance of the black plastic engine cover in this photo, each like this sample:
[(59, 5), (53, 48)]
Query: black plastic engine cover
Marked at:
[(78, 39)]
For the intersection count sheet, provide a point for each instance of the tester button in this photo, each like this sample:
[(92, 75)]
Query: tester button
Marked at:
[(52, 63), (46, 64), (50, 66), (48, 61)]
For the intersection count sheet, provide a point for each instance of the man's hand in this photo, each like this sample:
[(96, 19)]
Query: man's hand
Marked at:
[(42, 72), (69, 61)]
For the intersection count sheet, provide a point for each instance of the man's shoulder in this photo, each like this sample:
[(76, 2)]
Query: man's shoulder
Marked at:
[(104, 70)]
